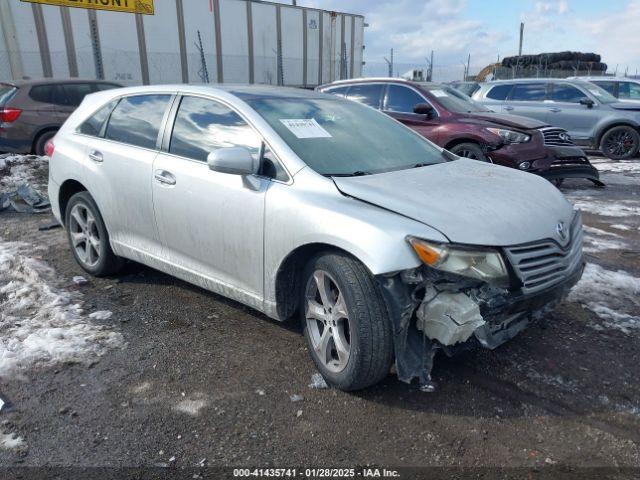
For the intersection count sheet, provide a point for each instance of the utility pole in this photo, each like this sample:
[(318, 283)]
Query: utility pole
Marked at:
[(521, 37), (430, 68), (390, 63), (467, 71)]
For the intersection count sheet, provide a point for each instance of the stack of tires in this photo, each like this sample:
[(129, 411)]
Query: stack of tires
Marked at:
[(558, 61)]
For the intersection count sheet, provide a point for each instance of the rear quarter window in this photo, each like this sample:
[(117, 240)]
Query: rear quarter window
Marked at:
[(93, 125)]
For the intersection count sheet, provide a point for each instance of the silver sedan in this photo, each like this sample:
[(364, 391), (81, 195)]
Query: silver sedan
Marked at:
[(301, 204)]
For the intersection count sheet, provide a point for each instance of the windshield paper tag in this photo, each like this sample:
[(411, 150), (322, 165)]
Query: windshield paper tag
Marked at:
[(439, 93), (305, 128)]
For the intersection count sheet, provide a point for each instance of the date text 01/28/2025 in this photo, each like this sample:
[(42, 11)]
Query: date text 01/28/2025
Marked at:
[(316, 472)]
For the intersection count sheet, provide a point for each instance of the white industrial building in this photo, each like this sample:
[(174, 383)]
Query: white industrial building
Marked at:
[(184, 41)]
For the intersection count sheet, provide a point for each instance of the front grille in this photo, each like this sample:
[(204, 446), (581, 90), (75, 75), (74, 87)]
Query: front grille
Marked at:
[(542, 264), (552, 137)]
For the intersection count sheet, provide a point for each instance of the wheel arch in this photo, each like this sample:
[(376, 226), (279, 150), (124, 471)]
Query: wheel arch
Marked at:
[(457, 141), (288, 280), (68, 188), (40, 132)]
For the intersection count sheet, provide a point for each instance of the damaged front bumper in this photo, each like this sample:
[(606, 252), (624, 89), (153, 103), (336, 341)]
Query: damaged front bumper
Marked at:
[(432, 310)]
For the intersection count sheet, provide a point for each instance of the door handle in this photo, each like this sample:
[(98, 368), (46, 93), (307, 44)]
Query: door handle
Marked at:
[(164, 177), (508, 108), (555, 109), (96, 156)]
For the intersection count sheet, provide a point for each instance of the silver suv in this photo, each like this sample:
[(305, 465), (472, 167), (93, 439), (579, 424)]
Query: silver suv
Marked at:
[(303, 204), (593, 117)]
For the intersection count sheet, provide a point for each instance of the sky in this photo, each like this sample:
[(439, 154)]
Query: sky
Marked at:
[(487, 29)]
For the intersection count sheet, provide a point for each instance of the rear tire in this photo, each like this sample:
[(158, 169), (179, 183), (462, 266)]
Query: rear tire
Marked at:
[(620, 143), (347, 327), (469, 150), (88, 237), (41, 141)]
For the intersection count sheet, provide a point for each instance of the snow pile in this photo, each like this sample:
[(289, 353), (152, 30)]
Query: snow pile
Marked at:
[(40, 324), (192, 405), (17, 170), (613, 296)]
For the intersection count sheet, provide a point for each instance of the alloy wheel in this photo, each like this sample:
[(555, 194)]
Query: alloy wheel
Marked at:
[(84, 234), (619, 143), (327, 321)]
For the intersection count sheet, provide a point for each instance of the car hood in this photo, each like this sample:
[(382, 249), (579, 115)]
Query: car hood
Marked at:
[(504, 119), (634, 106), (469, 202)]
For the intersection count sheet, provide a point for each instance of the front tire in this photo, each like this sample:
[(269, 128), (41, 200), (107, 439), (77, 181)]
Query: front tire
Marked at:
[(345, 322), (88, 237), (469, 150), (620, 143)]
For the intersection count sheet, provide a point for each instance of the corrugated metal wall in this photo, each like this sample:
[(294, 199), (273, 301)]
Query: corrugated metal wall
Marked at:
[(242, 41)]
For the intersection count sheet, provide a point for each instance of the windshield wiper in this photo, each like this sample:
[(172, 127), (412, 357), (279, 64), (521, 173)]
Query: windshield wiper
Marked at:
[(357, 173)]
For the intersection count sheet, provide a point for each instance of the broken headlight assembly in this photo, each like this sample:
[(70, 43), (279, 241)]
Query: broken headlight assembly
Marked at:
[(510, 136), (486, 265)]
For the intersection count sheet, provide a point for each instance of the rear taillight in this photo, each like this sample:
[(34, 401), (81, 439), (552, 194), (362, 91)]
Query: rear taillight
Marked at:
[(8, 115), (49, 147)]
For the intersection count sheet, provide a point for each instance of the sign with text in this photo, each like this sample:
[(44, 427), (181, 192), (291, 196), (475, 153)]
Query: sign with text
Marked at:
[(144, 7)]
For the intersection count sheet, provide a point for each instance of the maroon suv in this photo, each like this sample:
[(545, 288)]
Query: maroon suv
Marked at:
[(452, 120)]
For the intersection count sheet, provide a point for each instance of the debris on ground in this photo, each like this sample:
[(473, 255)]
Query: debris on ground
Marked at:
[(317, 381), (296, 398), (49, 226), (10, 441), (80, 280), (25, 199), (299, 413), (260, 392)]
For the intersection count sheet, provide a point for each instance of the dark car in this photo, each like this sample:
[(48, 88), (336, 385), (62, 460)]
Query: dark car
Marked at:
[(31, 112), (453, 121)]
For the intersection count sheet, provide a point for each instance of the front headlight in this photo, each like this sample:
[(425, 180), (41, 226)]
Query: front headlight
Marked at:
[(509, 136), (486, 265)]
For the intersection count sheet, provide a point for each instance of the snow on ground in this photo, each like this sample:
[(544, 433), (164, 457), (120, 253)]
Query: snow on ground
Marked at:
[(621, 166), (597, 240), (10, 441), (41, 324), (620, 208), (192, 405), (612, 295), (16, 170)]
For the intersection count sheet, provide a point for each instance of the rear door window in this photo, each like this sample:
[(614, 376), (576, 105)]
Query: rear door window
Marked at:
[(203, 125), (402, 99), (528, 92), (93, 125), (52, 94), (368, 94), (137, 120), (566, 93), (499, 92), (75, 92)]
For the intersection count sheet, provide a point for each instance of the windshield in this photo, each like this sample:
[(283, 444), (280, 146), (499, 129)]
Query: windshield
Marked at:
[(6, 92), (340, 137), (600, 93), (454, 100)]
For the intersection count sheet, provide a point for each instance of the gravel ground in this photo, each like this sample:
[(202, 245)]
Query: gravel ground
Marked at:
[(196, 379)]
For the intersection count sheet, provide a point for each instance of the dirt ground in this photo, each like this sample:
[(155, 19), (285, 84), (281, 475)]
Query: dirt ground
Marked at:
[(203, 381)]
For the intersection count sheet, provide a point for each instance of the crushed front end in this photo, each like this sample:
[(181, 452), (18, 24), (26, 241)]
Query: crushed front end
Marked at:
[(433, 309)]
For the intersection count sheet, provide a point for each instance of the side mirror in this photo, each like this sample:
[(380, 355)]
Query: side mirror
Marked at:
[(233, 160), (587, 101), (423, 109)]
